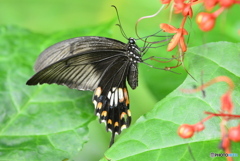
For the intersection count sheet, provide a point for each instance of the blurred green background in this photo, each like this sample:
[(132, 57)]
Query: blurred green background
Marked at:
[(62, 16)]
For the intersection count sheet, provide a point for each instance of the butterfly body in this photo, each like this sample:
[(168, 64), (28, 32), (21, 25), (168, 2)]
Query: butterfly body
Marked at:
[(99, 64)]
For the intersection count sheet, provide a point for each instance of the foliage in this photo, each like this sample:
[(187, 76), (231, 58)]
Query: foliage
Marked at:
[(50, 122), (154, 135)]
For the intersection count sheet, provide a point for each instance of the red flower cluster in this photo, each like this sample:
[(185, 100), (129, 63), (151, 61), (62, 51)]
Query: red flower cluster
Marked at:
[(180, 6), (205, 20), (227, 135)]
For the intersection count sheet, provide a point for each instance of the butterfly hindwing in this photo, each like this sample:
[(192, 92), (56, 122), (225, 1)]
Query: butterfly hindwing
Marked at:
[(111, 100)]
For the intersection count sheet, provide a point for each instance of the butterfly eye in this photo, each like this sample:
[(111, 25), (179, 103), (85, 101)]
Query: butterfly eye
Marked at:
[(132, 41)]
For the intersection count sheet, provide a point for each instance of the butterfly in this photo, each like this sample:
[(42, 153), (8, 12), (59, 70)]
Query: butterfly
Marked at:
[(98, 64)]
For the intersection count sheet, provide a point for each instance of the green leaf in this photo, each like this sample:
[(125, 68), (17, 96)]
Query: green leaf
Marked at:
[(154, 136), (47, 122)]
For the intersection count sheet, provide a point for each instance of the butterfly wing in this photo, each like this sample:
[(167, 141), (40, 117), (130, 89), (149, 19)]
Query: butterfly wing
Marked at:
[(75, 46), (111, 99), (77, 63)]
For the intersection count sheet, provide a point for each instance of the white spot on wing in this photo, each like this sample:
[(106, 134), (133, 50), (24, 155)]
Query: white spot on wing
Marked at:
[(120, 93), (98, 91), (116, 97), (112, 98), (104, 121), (109, 94), (123, 127), (113, 89)]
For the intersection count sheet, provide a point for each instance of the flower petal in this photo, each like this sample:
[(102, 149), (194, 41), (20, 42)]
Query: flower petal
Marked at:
[(168, 28), (174, 41)]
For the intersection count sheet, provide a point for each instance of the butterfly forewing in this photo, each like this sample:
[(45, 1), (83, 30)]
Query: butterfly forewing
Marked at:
[(70, 47), (82, 71)]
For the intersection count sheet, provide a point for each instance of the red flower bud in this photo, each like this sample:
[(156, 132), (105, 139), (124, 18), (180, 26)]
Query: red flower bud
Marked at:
[(206, 21), (234, 134), (186, 131)]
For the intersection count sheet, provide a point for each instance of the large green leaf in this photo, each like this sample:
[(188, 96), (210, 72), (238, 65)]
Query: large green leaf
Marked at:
[(154, 136), (46, 122)]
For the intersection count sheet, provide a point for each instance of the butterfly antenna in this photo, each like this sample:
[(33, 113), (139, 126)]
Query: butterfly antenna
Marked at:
[(136, 25), (153, 35), (120, 24)]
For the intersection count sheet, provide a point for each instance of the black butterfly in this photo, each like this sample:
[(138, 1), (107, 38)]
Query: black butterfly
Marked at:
[(94, 63)]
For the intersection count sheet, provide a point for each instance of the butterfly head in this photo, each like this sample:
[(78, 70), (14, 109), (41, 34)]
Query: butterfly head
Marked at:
[(133, 51)]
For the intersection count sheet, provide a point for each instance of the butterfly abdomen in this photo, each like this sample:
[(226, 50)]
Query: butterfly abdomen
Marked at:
[(132, 76)]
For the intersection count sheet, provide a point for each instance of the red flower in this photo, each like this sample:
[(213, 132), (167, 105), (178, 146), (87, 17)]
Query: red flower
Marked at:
[(178, 38), (184, 8)]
